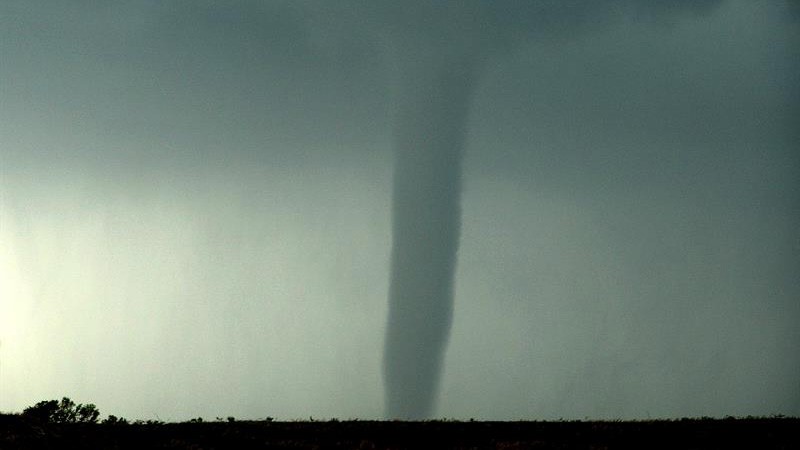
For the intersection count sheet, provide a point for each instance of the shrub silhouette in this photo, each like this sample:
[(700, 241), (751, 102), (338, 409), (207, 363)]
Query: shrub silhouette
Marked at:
[(87, 413), (44, 411), (65, 411), (114, 420)]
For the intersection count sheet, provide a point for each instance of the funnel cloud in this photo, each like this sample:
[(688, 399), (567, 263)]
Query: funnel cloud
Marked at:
[(426, 222), (441, 49)]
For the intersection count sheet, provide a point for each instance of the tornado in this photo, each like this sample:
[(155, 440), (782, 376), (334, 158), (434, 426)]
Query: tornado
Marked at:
[(436, 87), (442, 47)]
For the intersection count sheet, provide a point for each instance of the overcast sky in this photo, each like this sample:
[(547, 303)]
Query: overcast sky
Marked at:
[(195, 202)]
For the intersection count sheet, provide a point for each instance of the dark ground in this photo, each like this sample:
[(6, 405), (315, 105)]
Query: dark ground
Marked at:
[(17, 432)]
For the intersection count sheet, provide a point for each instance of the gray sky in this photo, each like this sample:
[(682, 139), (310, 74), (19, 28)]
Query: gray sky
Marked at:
[(195, 210)]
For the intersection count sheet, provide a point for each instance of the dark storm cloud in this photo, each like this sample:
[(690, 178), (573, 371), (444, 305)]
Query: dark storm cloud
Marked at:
[(219, 78)]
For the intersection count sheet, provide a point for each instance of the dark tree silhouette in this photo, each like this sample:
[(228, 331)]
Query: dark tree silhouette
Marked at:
[(65, 411)]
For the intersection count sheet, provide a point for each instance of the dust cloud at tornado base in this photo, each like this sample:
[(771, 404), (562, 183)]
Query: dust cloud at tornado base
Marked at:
[(628, 239)]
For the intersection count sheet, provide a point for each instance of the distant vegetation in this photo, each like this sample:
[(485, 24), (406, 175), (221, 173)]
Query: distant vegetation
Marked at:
[(65, 411), (64, 424)]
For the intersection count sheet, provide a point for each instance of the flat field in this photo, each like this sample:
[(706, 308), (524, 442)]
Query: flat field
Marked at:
[(17, 432)]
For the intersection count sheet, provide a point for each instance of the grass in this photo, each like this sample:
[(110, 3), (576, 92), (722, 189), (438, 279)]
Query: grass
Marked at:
[(18, 432)]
